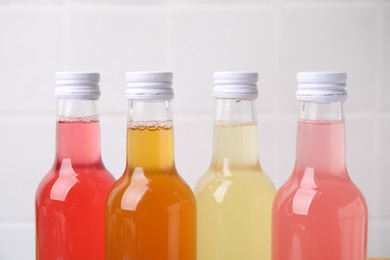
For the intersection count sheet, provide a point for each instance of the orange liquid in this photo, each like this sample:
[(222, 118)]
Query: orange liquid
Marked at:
[(150, 213)]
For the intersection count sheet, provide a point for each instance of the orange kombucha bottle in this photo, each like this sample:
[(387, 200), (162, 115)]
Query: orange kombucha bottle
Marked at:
[(150, 212)]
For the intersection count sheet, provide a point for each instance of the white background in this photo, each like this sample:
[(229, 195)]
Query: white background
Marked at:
[(192, 38)]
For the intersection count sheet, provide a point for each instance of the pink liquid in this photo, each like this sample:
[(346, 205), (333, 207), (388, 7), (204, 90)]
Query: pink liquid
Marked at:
[(70, 199), (319, 214)]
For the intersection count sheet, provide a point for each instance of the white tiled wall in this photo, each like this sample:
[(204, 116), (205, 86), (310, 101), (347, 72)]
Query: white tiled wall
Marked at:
[(192, 38)]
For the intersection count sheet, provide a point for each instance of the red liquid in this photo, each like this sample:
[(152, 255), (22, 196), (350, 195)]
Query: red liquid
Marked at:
[(70, 199), (319, 214)]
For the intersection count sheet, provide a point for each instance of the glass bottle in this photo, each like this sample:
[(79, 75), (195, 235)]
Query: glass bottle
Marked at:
[(319, 213), (70, 199), (234, 197), (151, 211)]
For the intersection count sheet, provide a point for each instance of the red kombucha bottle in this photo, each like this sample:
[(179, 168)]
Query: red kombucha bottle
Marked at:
[(319, 213), (71, 197)]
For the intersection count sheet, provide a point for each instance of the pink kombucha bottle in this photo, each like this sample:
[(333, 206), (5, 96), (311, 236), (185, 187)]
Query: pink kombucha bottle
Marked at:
[(319, 213), (71, 197)]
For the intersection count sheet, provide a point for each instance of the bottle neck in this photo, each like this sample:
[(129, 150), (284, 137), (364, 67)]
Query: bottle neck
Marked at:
[(235, 135), (78, 132), (321, 139), (150, 139)]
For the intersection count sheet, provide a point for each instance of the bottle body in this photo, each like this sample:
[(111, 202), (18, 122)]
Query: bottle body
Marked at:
[(72, 228), (319, 213), (70, 199), (234, 197), (150, 212)]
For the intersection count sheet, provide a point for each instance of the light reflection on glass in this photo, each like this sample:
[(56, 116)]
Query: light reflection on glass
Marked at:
[(305, 194), (219, 193), (350, 218), (66, 180), (136, 190), (223, 186), (174, 231), (225, 167)]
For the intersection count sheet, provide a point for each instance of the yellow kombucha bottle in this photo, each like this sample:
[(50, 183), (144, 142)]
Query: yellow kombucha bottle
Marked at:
[(234, 197)]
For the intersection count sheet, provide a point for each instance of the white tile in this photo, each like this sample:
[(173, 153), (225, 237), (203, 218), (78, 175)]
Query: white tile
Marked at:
[(31, 50), (27, 154), (285, 133), (212, 38), (362, 154), (378, 240), (382, 185), (94, 2), (51, 2), (17, 240), (372, 238), (329, 1), (385, 91), (16, 2), (221, 1), (114, 40), (333, 36), (147, 2), (383, 239), (113, 142), (193, 145), (268, 150), (136, 1)]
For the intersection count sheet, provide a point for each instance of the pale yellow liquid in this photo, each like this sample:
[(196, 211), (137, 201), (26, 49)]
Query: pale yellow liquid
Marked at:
[(234, 199)]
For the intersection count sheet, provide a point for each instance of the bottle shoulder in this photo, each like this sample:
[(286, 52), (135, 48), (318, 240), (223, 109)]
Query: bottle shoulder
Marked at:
[(59, 183), (316, 179), (330, 192), (144, 187), (247, 182)]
